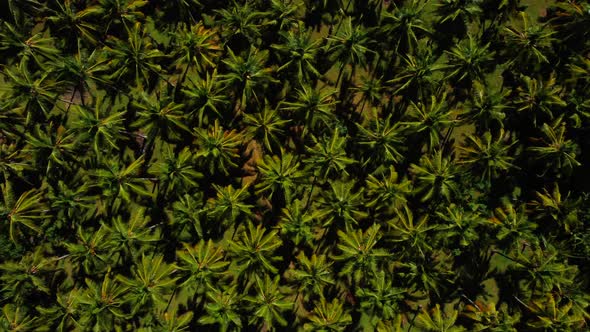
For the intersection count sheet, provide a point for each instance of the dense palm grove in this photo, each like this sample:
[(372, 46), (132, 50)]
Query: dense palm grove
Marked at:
[(294, 165)]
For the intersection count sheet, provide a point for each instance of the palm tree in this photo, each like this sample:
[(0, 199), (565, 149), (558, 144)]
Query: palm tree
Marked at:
[(201, 266), (349, 46), (558, 152), (538, 97), (438, 320), (38, 47), (241, 21), (267, 126), (387, 191), (285, 13), (530, 44), (57, 151), (100, 126), (418, 74), (436, 176), (328, 316), (71, 200), (116, 180), (64, 316), (218, 148), (279, 178), (430, 120), (223, 308), (91, 251), (84, 72), (381, 300), (73, 23), (269, 302), (490, 156), (343, 205), (159, 117), (189, 211), (23, 213), (359, 253), (14, 319), (120, 12), (404, 26), (151, 285), (552, 206), (487, 107), (32, 96), (298, 223), (513, 224), (28, 278), (130, 237), (103, 303), (196, 46), (229, 207), (413, 235), (247, 76), (134, 58), (328, 157), (176, 172), (298, 53), (206, 97), (171, 321), (311, 107), (254, 252), (312, 275), (381, 141), (468, 61)]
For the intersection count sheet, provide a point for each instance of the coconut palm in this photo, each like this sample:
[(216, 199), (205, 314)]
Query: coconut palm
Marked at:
[(298, 53), (349, 46), (312, 275), (24, 212), (201, 266), (404, 26), (436, 177), (430, 120), (102, 303), (136, 57), (328, 316), (30, 94), (223, 308), (382, 139), (151, 284), (72, 23), (267, 126), (279, 177), (247, 76), (386, 191), (269, 302), (328, 157), (176, 172), (359, 253), (218, 148), (196, 47), (229, 206), (38, 47), (530, 43), (254, 252), (206, 98), (468, 61), (312, 108), (555, 149), (539, 98), (491, 156)]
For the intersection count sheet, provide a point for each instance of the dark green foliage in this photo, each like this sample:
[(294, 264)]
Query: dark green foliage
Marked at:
[(294, 165)]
